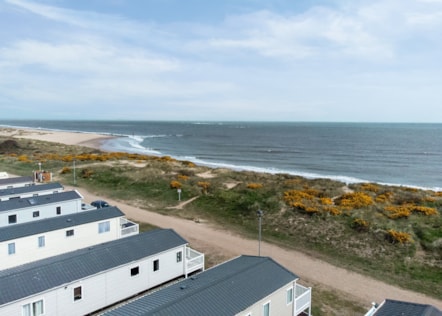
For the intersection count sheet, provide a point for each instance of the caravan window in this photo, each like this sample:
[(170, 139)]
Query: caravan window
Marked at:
[(12, 219)]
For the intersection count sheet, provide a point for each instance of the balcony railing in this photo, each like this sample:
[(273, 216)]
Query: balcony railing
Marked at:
[(194, 260), (303, 299), (128, 228)]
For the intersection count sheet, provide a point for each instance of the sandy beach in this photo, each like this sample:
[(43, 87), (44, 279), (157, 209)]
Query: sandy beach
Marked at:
[(68, 138), (218, 241)]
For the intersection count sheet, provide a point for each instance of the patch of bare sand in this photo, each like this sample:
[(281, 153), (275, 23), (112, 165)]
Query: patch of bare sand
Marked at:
[(206, 175), (222, 244), (231, 185), (181, 205)]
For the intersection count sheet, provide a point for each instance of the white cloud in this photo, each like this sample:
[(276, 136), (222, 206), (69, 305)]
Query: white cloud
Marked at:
[(293, 65), (318, 32), (88, 20), (76, 57)]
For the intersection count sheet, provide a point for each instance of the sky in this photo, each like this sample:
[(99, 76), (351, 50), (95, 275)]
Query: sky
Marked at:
[(229, 60)]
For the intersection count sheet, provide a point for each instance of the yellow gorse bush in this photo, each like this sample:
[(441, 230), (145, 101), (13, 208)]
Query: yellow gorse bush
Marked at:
[(384, 197), (296, 195), (183, 177), (370, 187), (360, 224), (402, 211), (332, 210), (308, 200), (400, 237), (65, 170), (204, 185), (305, 208), (355, 200), (189, 164), (254, 185), (175, 184), (23, 158), (326, 201), (424, 210), (395, 212)]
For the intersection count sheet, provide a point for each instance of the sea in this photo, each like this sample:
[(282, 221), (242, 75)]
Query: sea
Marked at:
[(400, 154)]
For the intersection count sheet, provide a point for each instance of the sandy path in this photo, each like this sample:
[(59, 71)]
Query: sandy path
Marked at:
[(205, 237)]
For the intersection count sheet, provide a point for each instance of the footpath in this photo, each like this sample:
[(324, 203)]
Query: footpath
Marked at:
[(222, 244)]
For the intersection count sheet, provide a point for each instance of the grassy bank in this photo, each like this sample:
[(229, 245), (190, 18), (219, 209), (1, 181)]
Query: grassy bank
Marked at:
[(390, 233)]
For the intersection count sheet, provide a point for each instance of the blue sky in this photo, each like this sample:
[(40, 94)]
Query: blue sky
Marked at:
[(265, 60)]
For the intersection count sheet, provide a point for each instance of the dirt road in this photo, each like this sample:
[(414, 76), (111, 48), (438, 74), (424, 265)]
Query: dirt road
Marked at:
[(220, 242)]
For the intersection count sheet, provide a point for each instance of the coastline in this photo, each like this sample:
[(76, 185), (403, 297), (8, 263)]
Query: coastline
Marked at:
[(91, 140), (415, 168)]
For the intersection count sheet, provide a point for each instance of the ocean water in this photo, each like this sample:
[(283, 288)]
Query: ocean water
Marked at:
[(395, 154)]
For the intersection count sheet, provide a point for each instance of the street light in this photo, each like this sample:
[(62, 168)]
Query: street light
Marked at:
[(39, 166), (260, 213), (75, 176)]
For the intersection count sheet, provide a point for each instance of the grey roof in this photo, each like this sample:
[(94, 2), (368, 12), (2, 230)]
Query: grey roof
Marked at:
[(59, 222), (401, 308), (38, 200), (31, 188), (15, 180), (42, 275), (226, 289)]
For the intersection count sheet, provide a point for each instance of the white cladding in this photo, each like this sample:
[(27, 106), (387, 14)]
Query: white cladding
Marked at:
[(28, 211), (15, 182), (52, 243), (277, 303), (34, 190), (105, 288)]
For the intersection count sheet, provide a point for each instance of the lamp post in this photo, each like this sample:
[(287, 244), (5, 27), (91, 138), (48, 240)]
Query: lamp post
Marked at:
[(260, 213), (39, 166), (75, 176)]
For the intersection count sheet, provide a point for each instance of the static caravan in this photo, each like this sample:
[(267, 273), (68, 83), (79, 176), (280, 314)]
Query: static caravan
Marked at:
[(394, 307), (30, 190), (16, 182), (24, 210), (89, 279), (32, 241), (246, 285)]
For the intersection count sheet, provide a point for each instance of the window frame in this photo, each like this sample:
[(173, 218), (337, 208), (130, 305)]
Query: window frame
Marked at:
[(77, 293), (156, 265), (12, 219), (134, 271), (11, 249), (104, 227), (41, 241), (266, 306), (289, 299), (31, 308)]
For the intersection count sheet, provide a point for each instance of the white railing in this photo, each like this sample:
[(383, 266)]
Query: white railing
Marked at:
[(373, 309), (128, 228), (194, 260), (303, 298)]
